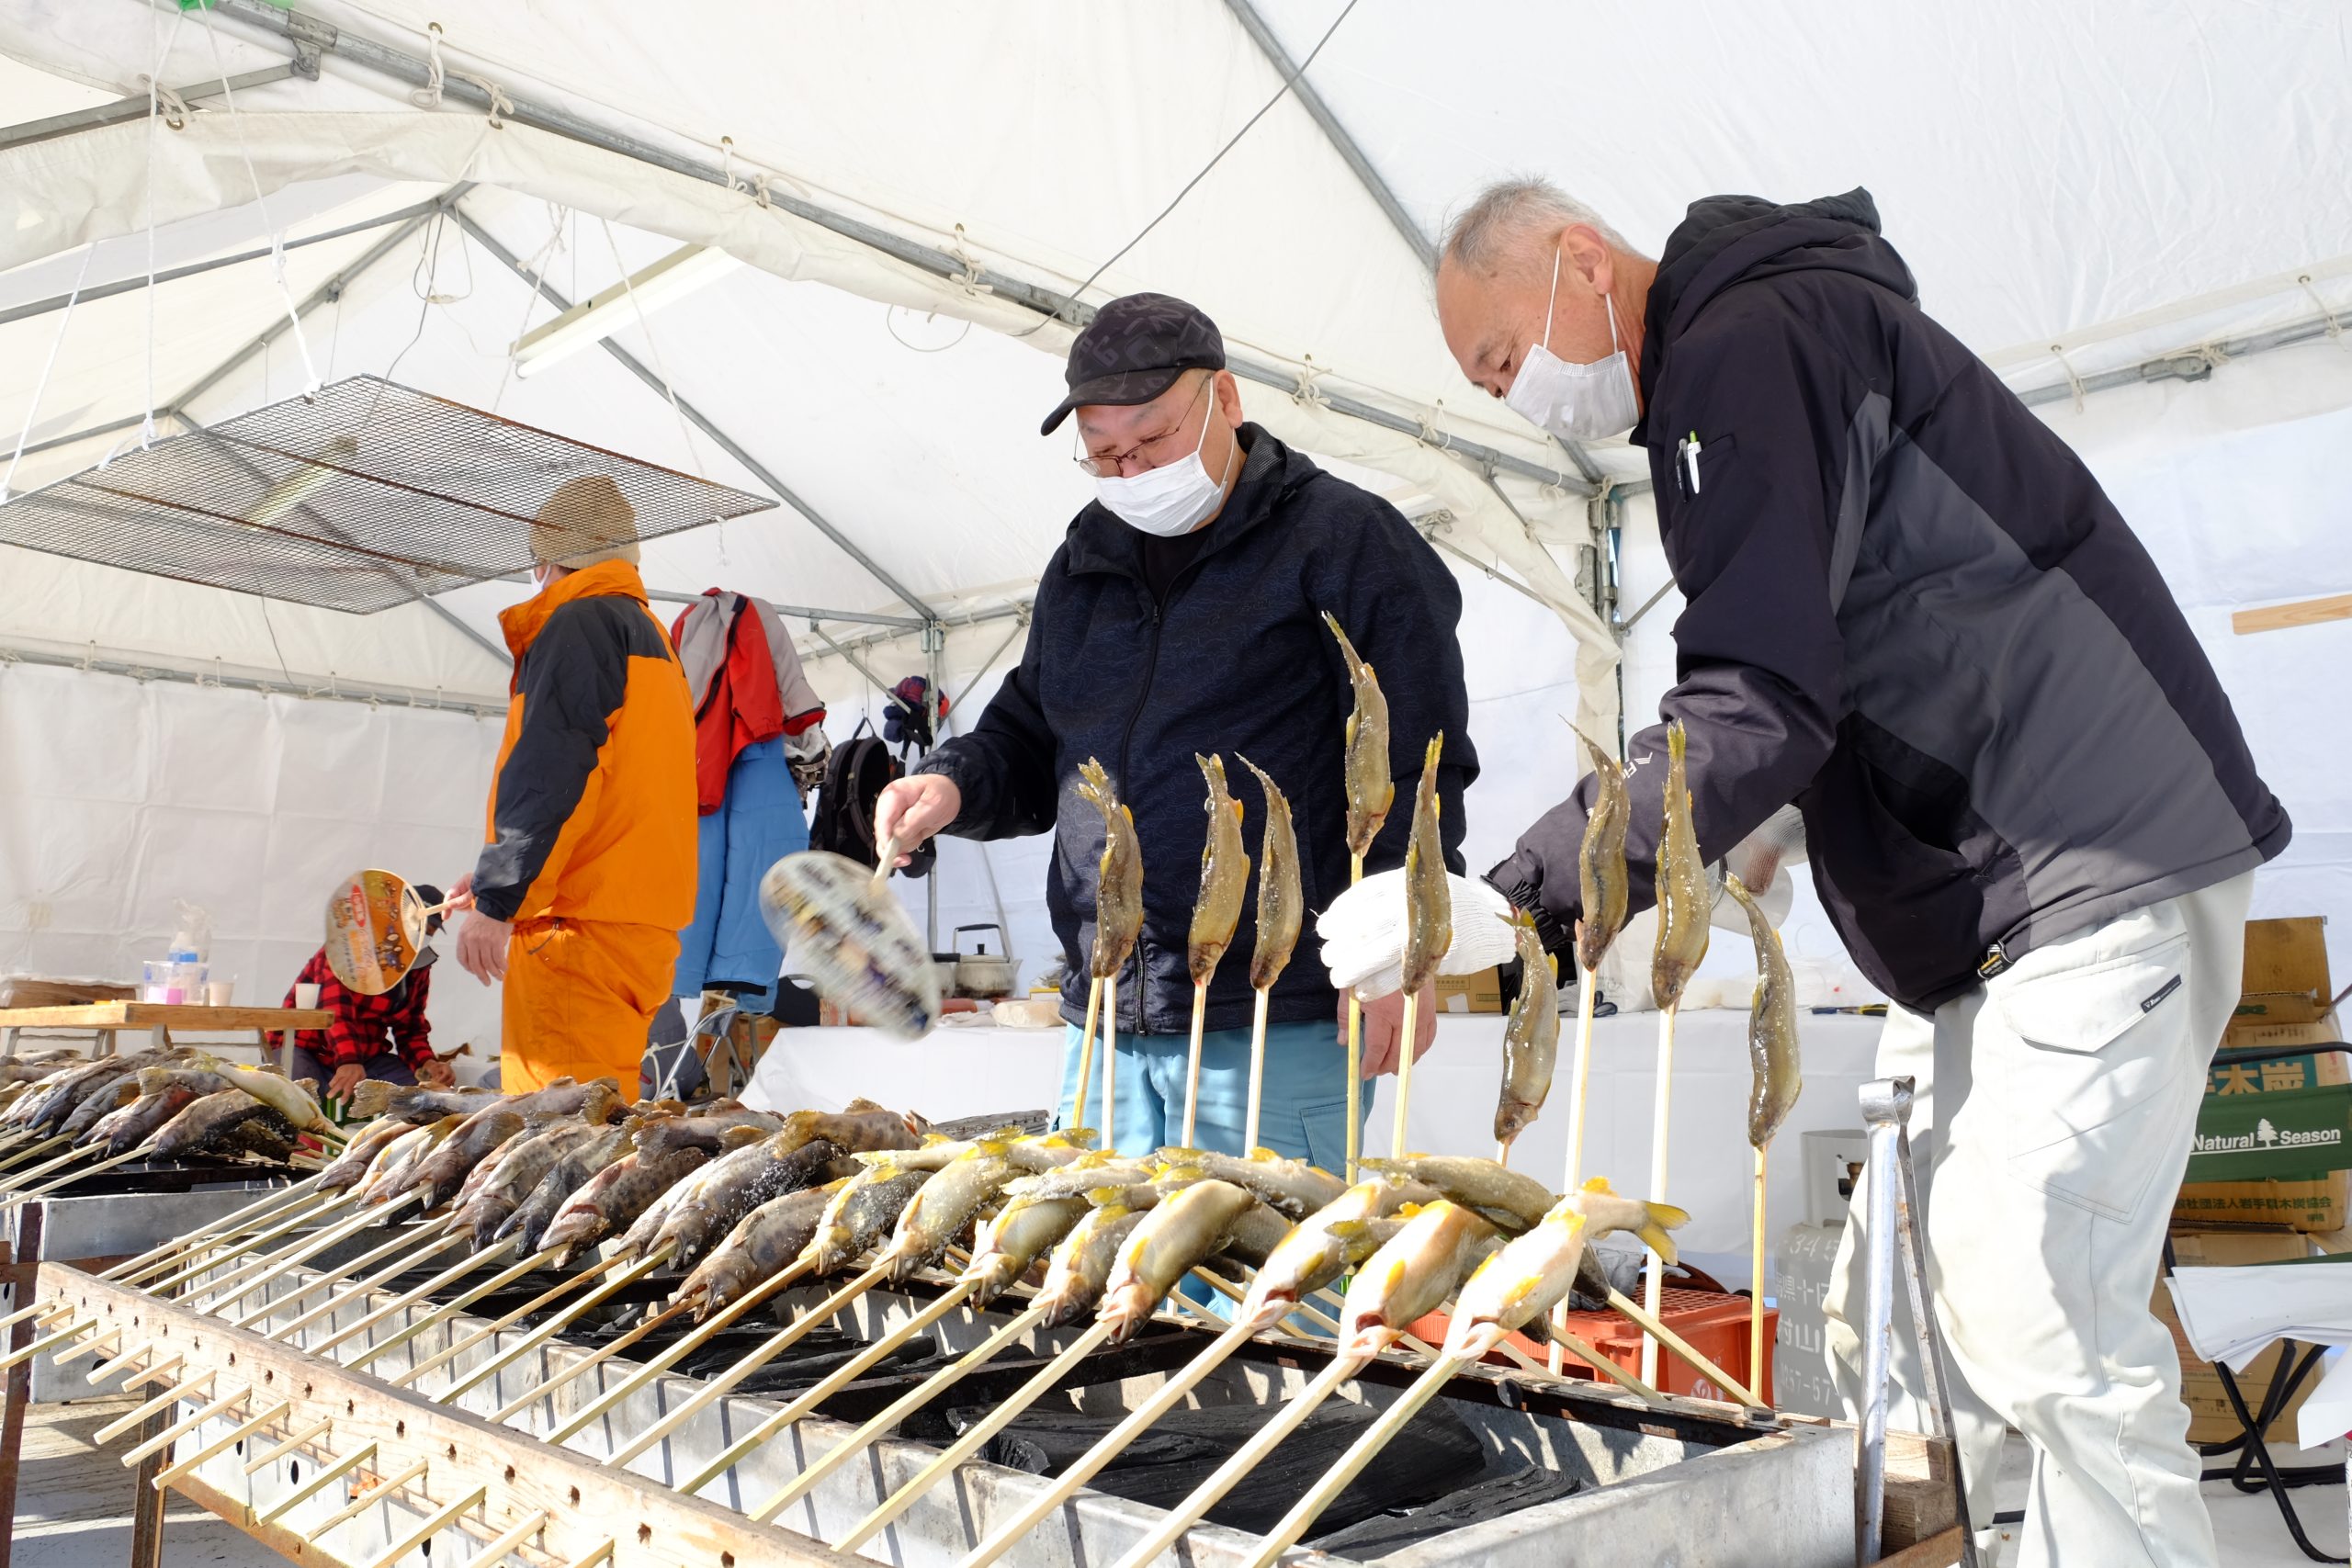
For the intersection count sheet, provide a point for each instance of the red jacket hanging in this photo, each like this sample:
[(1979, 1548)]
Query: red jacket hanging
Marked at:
[(747, 687)]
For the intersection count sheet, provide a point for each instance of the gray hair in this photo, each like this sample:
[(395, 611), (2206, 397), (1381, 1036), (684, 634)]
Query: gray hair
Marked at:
[(1484, 236)]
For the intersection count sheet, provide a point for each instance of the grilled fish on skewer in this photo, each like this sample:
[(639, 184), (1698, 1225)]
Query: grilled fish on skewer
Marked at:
[(1293, 1185), (861, 1210), (1531, 1035), (1684, 903), (1225, 877), (358, 1155), (597, 1100), (1771, 1026), (219, 1123), (770, 1239), (127, 1127), (282, 1095), (1176, 1237), (97, 1105), (704, 1130), (1428, 898), (1371, 780), (1118, 889), (714, 1198), (1523, 1280), (1320, 1248), (527, 1162), (1022, 1230), (1601, 858), (1090, 1173), (1410, 1276), (863, 1125), (944, 1205), (1479, 1183), (1082, 1263), (439, 1174), (1281, 907), (572, 1169), (1604, 1212), (392, 1174), (614, 1197)]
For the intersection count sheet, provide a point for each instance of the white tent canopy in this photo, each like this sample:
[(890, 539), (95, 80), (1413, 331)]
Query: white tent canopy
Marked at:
[(2082, 192)]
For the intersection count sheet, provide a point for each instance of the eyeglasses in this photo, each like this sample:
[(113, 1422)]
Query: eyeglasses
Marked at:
[(1149, 454)]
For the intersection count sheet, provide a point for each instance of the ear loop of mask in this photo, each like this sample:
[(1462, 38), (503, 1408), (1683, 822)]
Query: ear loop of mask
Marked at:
[(1553, 304)]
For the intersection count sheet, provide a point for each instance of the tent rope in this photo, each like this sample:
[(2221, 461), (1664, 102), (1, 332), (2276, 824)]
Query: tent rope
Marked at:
[(1431, 435), (2327, 314), (164, 41), (437, 73), (685, 431), (42, 386), (1307, 394), (174, 107), (727, 165)]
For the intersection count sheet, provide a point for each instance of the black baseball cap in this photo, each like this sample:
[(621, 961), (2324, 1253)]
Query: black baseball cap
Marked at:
[(1134, 350)]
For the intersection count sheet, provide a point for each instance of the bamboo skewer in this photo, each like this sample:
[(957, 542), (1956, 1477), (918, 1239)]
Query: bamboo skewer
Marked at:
[(433, 1525), (236, 1435), (282, 1198), (1405, 1071), (1193, 1064), (1257, 1072), (1572, 1170), (1110, 1128), (388, 1487), (802, 1403), (164, 1400), (498, 1551), (455, 1271), (1756, 1279), (710, 1330), (1650, 1325), (208, 1252), (1245, 1459), (187, 1424), (49, 1307), (463, 1300), (320, 1480), (39, 1146), (73, 1176), (1355, 1055), (71, 1331), (153, 1372), (110, 1340), (300, 1440), (604, 1353), (268, 1266), (905, 1404), (1654, 1285), (35, 1173), (570, 1282), (548, 1330), (1113, 1443), (1086, 1051), (1307, 1509), (404, 1242), (594, 1558), (971, 1442)]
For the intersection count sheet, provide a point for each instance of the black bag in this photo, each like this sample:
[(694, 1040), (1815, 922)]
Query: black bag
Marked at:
[(843, 820)]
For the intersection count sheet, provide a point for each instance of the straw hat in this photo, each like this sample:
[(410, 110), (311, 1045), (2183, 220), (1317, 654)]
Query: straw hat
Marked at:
[(586, 520)]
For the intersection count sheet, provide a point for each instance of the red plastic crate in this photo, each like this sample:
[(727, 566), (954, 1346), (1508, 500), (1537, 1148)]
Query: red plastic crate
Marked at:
[(1714, 1324)]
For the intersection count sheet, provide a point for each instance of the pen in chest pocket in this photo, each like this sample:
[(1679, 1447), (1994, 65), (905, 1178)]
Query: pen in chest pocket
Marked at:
[(1690, 460)]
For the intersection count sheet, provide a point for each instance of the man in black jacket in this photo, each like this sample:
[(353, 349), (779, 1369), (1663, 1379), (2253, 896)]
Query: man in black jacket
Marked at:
[(1911, 611), (1182, 615)]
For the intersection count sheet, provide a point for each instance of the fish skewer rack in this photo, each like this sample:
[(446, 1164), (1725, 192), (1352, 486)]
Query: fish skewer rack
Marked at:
[(1689, 1481)]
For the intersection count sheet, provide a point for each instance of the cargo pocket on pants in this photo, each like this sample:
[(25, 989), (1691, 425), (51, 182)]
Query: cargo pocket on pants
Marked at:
[(1324, 1132), (2095, 1064)]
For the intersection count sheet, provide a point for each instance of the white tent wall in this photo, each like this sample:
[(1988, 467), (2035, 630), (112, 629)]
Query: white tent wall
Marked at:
[(119, 797)]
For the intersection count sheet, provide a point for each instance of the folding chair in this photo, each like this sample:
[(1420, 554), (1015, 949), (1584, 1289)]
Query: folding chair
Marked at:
[(2255, 1470)]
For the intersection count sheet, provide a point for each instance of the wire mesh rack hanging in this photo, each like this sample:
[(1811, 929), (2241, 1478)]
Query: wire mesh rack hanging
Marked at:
[(360, 497)]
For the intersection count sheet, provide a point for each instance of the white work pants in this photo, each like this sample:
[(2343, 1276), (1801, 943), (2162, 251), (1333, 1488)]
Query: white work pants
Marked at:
[(2056, 1105)]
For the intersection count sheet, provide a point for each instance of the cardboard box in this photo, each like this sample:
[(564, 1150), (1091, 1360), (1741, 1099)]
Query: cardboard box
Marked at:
[(1479, 992), (2211, 1418), (2292, 1070), (2270, 1159), (2286, 971)]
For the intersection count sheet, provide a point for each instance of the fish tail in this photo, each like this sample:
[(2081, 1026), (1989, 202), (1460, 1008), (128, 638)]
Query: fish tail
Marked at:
[(1663, 1217), (371, 1096)]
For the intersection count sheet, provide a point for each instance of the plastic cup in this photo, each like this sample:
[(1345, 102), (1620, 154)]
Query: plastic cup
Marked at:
[(218, 993), (306, 995)]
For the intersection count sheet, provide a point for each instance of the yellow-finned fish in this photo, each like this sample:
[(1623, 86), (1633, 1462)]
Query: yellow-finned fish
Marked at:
[(1082, 1262), (1320, 1248), (1771, 1025), (1601, 859), (1409, 1277), (1604, 1212), (1225, 876), (938, 1211), (1179, 1233), (1471, 1180), (1370, 784), (1683, 901), (1428, 898), (1281, 907), (1531, 1034), (1017, 1237), (1519, 1283), (1293, 1185), (1119, 884)]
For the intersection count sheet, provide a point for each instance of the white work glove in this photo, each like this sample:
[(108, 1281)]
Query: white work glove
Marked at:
[(1363, 933), (1760, 861)]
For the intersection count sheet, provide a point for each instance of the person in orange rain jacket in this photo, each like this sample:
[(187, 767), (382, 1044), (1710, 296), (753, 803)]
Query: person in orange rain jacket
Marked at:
[(587, 873)]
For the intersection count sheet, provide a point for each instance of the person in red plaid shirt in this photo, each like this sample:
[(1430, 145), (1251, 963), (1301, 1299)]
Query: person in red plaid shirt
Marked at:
[(382, 1037)]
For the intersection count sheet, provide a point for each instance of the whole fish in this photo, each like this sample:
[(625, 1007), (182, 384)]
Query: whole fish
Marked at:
[(1090, 1172), (863, 1125), (1477, 1183), (1081, 1264), (20, 1110), (1684, 902), (572, 1169), (1034, 1154), (733, 1140), (282, 1094), (1410, 1277), (526, 1163), (770, 1238), (416, 1102), (704, 1131), (202, 1079), (862, 1208), (98, 1104), (1281, 907), (1251, 1239), (1605, 1212), (130, 1125), (346, 1169), (16, 1071), (1601, 859), (1429, 896), (439, 1174), (486, 1168), (1225, 876), (741, 1182), (218, 1123), (1517, 1283), (392, 1175), (1176, 1237), (1293, 1185), (1771, 1025), (1020, 1233), (1119, 884), (614, 1197), (1320, 1248), (1371, 781), (59, 1103), (1531, 1034), (943, 1206)]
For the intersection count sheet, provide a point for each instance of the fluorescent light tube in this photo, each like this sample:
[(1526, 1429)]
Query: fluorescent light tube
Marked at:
[(672, 277)]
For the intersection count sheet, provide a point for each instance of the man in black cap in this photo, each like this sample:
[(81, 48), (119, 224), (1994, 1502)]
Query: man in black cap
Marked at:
[(1183, 615)]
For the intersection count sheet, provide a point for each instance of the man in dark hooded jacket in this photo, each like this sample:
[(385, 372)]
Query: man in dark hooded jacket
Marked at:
[(1911, 611), (1182, 616)]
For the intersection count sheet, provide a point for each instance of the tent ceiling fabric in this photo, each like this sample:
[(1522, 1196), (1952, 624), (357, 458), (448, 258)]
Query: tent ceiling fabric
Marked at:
[(2115, 177)]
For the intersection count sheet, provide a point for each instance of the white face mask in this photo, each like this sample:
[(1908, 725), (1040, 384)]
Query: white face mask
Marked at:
[(1575, 403), (1173, 498)]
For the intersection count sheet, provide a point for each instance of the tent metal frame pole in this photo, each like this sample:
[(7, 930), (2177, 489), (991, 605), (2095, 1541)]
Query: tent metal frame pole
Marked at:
[(873, 639), (2197, 364), (336, 691), (700, 421), (402, 66), (125, 285), (790, 612), (124, 109), (128, 421)]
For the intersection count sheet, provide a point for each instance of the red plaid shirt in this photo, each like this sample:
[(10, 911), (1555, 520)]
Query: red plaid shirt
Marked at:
[(364, 1027)]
